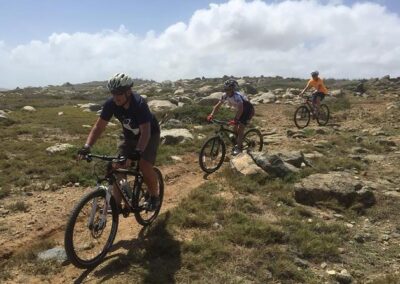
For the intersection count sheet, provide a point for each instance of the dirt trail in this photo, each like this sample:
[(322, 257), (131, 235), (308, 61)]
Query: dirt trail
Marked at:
[(179, 179)]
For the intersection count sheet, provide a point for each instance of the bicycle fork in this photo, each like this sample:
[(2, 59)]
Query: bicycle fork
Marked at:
[(95, 227)]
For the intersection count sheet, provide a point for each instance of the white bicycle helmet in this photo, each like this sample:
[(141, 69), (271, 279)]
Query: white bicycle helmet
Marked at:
[(119, 81)]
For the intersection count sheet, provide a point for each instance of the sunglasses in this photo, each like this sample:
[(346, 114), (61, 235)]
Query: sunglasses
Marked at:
[(118, 92)]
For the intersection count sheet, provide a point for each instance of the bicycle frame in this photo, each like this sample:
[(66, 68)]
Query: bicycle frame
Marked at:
[(222, 131), (111, 178)]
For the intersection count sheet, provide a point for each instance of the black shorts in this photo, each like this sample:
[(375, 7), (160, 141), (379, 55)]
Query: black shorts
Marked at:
[(315, 95), (248, 113), (149, 154)]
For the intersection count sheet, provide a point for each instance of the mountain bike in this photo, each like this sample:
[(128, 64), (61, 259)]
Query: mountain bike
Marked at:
[(303, 113), (212, 153), (93, 223)]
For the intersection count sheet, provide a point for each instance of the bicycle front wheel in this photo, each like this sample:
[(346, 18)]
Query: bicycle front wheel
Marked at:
[(253, 140), (302, 117), (323, 115), (91, 229), (140, 198), (212, 154)]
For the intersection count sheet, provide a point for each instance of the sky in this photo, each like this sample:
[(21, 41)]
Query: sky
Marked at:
[(56, 41)]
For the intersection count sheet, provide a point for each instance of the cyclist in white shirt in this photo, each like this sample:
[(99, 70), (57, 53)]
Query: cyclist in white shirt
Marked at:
[(244, 111)]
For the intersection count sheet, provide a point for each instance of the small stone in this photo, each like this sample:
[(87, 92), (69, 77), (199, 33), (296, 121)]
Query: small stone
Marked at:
[(77, 184), (56, 253), (331, 272), (176, 158), (301, 262), (217, 226), (324, 265), (344, 277)]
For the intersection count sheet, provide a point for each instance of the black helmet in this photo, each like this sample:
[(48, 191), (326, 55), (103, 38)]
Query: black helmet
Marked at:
[(230, 83), (314, 73)]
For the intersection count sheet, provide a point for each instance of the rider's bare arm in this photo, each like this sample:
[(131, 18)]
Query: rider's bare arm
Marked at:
[(240, 111), (96, 131), (216, 108), (305, 89), (145, 133)]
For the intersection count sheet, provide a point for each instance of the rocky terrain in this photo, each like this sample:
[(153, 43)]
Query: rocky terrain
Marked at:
[(317, 205)]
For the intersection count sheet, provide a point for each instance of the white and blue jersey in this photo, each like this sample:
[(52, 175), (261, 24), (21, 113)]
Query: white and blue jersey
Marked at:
[(236, 99)]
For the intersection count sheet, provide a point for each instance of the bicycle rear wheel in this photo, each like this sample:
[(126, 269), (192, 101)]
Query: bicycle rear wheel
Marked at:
[(302, 117), (91, 230), (253, 140), (140, 198), (323, 115), (212, 154)]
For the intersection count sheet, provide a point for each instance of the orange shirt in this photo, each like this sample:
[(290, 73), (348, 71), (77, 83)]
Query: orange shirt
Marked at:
[(317, 85)]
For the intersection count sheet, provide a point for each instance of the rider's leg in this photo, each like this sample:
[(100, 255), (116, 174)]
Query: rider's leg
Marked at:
[(149, 176), (240, 133), (317, 104)]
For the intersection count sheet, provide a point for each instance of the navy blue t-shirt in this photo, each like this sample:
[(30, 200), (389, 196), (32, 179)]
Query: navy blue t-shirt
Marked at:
[(137, 113)]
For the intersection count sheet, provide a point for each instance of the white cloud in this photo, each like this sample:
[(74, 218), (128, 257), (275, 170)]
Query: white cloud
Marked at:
[(287, 38)]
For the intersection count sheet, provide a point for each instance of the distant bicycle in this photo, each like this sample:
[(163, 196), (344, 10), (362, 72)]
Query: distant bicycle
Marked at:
[(93, 223), (304, 113), (212, 153)]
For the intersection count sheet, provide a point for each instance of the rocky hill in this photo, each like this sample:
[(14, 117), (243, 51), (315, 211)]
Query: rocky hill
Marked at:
[(316, 205)]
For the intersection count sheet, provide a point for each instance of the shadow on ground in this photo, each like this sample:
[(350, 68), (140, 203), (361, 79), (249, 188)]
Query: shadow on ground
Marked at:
[(153, 257)]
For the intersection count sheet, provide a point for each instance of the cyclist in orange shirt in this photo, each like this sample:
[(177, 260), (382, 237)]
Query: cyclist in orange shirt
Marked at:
[(320, 90)]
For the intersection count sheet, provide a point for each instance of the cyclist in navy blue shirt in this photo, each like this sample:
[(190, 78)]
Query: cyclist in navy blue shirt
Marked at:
[(141, 132)]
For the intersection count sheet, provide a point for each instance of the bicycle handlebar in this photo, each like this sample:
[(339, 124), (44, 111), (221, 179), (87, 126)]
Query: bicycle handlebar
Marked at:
[(116, 159), (219, 122)]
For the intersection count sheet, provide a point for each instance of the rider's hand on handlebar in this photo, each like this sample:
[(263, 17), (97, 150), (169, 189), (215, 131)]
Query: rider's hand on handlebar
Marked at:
[(210, 117), (233, 122), (84, 151), (135, 155)]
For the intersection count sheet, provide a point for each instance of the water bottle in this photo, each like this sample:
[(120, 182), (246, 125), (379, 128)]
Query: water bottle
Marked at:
[(126, 189)]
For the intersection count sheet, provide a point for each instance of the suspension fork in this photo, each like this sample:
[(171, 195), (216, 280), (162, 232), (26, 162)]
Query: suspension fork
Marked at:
[(107, 205)]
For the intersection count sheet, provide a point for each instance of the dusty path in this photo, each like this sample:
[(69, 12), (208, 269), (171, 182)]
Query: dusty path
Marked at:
[(180, 179)]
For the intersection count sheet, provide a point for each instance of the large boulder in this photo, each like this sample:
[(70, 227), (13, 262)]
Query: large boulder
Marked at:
[(264, 98), (161, 105), (273, 164), (211, 99), (295, 158), (175, 136), (206, 89), (29, 109), (337, 93), (91, 106), (3, 114), (245, 165), (339, 186), (249, 89)]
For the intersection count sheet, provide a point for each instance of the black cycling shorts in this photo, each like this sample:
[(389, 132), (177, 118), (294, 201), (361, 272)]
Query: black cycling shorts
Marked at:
[(126, 147), (315, 95)]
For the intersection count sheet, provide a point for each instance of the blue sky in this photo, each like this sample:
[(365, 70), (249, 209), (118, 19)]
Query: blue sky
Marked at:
[(25, 20), (53, 41)]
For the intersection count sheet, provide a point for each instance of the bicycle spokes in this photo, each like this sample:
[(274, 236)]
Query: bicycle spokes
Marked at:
[(90, 239), (302, 116)]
